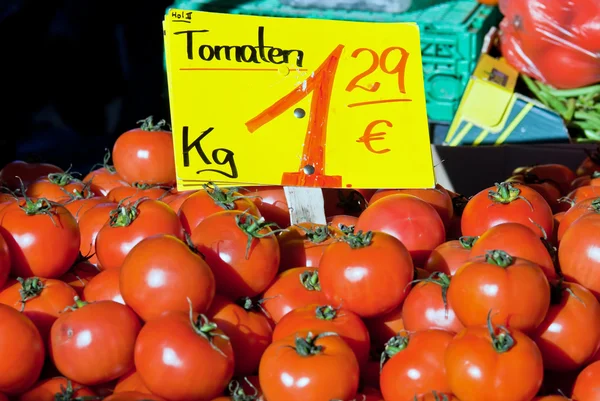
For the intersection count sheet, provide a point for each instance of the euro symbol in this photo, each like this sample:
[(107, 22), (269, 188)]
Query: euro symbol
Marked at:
[(369, 136)]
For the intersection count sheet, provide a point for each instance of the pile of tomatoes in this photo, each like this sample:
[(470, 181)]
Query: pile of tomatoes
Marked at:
[(116, 286)]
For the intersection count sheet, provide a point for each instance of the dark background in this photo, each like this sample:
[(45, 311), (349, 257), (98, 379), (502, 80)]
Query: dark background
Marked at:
[(77, 73)]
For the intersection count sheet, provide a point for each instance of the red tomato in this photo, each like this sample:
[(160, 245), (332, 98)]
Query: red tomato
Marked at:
[(369, 379), (579, 253), (103, 179), (426, 306), (551, 194), (104, 287), (145, 154), (271, 203), (304, 245), (449, 256), (588, 206), (43, 239), (78, 207), (565, 337), (175, 200), (581, 181), (493, 364), (56, 187), (79, 275), (384, 327), (584, 192), (293, 289), (4, 261), (21, 352), (128, 225), (133, 396), (57, 388), (241, 250), (515, 290), (133, 193), (413, 221), (415, 366), (131, 382), (437, 197), (321, 367), (17, 173), (507, 203), (89, 226), (517, 240), (93, 343), (552, 398), (184, 347), (248, 329), (366, 273), (342, 220), (41, 300), (590, 164), (586, 386), (557, 220), (557, 174), (323, 319), (343, 201), (211, 200), (566, 67), (162, 274)]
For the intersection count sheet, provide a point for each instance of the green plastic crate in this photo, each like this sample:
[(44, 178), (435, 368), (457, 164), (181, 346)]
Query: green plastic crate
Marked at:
[(452, 35)]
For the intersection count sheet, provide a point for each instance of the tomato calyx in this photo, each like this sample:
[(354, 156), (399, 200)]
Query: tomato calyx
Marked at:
[(68, 393), (326, 312), (63, 179), (394, 345), (467, 242), (310, 280), (78, 304), (501, 341), (237, 393), (506, 193), (124, 214), (147, 124), (206, 329), (105, 164), (352, 203), (30, 288), (346, 229), (595, 206), (358, 240), (436, 396), (254, 228), (305, 346), (249, 305), (499, 258), (224, 198), (316, 235)]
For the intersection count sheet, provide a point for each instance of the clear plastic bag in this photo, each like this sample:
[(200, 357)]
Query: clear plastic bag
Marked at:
[(554, 41)]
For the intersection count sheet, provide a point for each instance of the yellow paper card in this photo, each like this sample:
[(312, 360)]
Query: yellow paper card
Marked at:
[(296, 102)]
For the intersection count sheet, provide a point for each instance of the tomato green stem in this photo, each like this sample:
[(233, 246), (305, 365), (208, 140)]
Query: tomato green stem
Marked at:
[(30, 288), (503, 341), (595, 206), (358, 240), (394, 345), (206, 329), (125, 214), (306, 346), (62, 179), (78, 304), (499, 258), (237, 392), (506, 193), (224, 198), (346, 229), (326, 312), (310, 280), (254, 228), (148, 125), (317, 234), (467, 242)]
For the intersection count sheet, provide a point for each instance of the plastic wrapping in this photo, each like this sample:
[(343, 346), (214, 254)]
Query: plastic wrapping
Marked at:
[(554, 41)]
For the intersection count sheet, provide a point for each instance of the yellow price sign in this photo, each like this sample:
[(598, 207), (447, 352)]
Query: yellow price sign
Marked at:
[(296, 102)]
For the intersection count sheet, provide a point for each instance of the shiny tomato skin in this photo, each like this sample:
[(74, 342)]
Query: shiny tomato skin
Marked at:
[(582, 66), (79, 275), (44, 308), (586, 386), (145, 156), (89, 226), (517, 240), (424, 308), (173, 334), (384, 327), (21, 352), (131, 382), (4, 261), (45, 188), (130, 194), (94, 343), (47, 390), (249, 331), (411, 220), (584, 192), (418, 368), (40, 245), (587, 206), (287, 292), (200, 205), (370, 280), (80, 206), (578, 253), (568, 337), (476, 371), (175, 200), (518, 295), (239, 272), (550, 193), (17, 171), (482, 213), (161, 274), (104, 287), (133, 396), (342, 219), (153, 217), (447, 258), (345, 323), (331, 374), (299, 249), (271, 203), (102, 181), (438, 198)]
